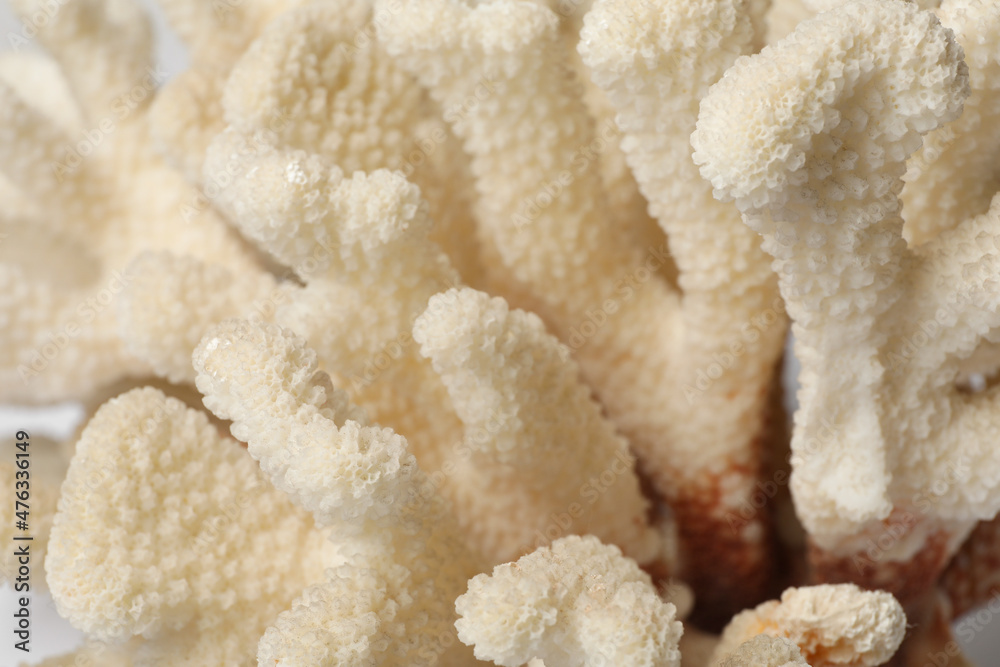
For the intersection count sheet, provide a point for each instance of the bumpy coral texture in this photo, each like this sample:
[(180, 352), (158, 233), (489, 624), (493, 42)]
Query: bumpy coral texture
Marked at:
[(368, 174), (567, 605), (832, 625), (187, 114), (94, 195), (765, 651), (162, 313), (956, 173), (312, 97), (360, 246), (656, 61), (317, 81), (818, 175), (373, 233), (404, 558), (535, 431), (640, 53), (542, 206), (167, 530)]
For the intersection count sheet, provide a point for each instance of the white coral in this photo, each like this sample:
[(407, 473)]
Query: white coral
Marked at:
[(568, 605)]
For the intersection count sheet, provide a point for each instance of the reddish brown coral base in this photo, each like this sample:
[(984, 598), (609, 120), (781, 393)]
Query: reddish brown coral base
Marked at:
[(726, 572), (730, 556), (910, 581), (973, 575)]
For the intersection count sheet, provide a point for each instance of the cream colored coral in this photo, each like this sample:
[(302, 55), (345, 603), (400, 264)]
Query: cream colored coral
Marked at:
[(215, 33), (833, 625), (765, 651), (383, 247), (656, 61), (98, 195), (167, 530), (785, 15), (297, 425), (511, 53), (533, 506), (543, 461), (956, 174), (626, 204), (811, 137), (535, 154), (953, 176), (188, 113), (171, 299), (37, 77), (312, 98), (353, 241), (406, 561), (361, 247), (814, 161), (576, 603), (316, 80), (635, 50), (102, 46)]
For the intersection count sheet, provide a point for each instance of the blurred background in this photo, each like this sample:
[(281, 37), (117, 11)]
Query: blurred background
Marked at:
[(51, 635)]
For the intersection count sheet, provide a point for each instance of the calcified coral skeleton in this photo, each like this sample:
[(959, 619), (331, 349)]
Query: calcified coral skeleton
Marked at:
[(515, 440), (542, 206), (824, 191), (567, 605), (86, 199), (186, 544), (316, 80), (395, 560), (954, 175), (361, 481), (830, 624), (481, 440), (949, 182)]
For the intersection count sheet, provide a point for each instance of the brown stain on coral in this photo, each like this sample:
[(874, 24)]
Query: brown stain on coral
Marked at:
[(726, 571), (932, 588), (731, 559), (972, 578), (910, 581)]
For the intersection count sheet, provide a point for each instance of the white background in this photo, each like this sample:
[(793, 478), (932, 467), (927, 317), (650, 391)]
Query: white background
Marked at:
[(51, 635)]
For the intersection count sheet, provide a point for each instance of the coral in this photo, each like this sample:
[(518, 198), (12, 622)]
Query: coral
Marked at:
[(822, 186), (493, 298), (567, 604), (94, 195)]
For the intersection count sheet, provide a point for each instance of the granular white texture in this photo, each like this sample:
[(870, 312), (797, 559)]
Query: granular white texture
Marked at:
[(811, 138), (404, 559), (534, 432), (577, 603), (168, 530), (91, 204), (833, 625), (765, 651)]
